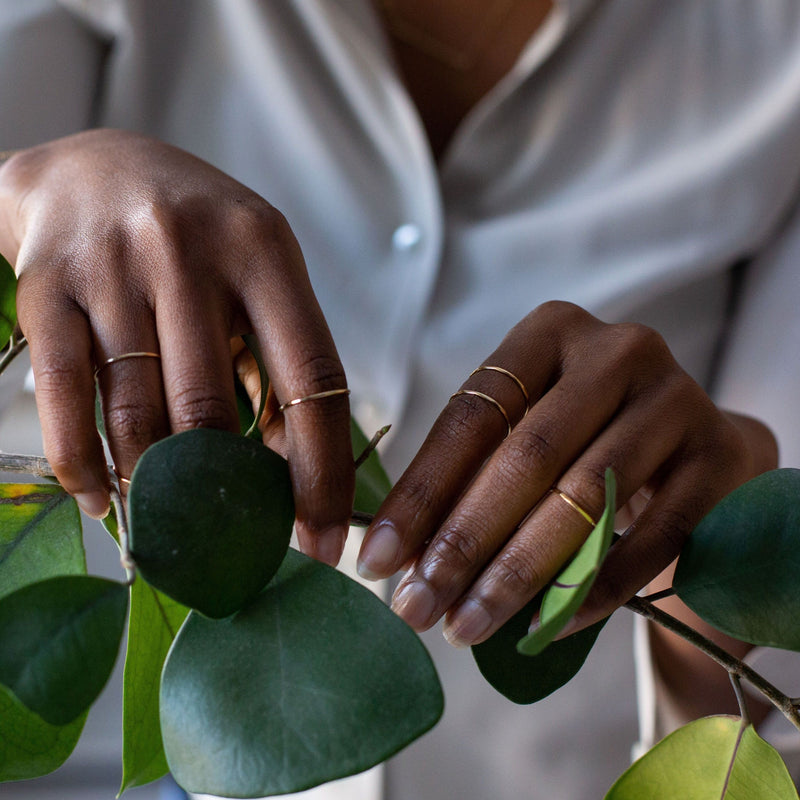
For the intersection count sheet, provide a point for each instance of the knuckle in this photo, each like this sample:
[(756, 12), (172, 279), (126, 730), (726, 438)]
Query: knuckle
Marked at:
[(514, 577), (675, 524), (135, 423), (457, 548), (638, 341), (528, 451), (198, 408), (321, 372)]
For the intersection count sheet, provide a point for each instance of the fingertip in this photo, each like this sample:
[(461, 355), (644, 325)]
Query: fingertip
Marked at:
[(95, 504), (326, 546)]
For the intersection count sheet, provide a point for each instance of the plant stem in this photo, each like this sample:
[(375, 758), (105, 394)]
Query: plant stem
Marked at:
[(15, 348), (28, 465), (737, 690), (733, 665), (373, 443), (656, 596), (361, 519), (125, 559)]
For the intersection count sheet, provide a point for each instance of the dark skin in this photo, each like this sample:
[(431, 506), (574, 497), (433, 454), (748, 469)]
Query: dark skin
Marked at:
[(170, 254)]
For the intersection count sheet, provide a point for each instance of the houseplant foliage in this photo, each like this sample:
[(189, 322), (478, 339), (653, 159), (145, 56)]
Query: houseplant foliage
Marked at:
[(253, 670)]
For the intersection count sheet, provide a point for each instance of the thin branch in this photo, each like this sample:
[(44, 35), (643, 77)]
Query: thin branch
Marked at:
[(361, 519), (28, 465), (733, 665), (656, 596), (740, 699), (15, 348), (373, 443), (125, 558)]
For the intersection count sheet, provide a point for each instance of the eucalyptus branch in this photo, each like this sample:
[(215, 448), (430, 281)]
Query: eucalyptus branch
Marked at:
[(125, 558), (373, 443), (733, 665), (656, 596), (361, 519), (737, 690), (16, 346), (27, 465)]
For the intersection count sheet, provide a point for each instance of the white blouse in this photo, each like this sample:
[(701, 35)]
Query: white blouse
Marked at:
[(636, 153)]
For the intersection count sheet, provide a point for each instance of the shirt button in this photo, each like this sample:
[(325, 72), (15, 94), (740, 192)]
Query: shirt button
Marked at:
[(406, 236)]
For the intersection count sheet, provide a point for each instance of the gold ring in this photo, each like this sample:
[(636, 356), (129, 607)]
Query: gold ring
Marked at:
[(138, 354), (488, 399), (570, 502), (508, 374), (315, 396)]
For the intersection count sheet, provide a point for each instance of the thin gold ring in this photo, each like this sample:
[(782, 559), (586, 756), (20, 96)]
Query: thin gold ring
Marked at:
[(137, 354), (488, 399), (126, 481), (569, 501), (315, 396), (504, 371)]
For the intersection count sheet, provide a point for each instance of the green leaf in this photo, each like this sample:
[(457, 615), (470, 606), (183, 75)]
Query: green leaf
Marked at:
[(372, 482), (527, 679), (29, 746), (715, 757), (8, 304), (316, 680), (40, 535), (58, 642), (565, 595), (744, 546), (154, 621), (210, 515)]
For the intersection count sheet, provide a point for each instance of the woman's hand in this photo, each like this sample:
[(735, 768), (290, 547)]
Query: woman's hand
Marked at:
[(474, 515), (124, 244)]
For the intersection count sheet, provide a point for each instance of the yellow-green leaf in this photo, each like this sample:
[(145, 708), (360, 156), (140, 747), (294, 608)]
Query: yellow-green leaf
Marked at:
[(714, 757)]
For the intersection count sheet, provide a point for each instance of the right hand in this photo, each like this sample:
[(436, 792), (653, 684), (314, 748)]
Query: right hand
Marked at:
[(122, 244)]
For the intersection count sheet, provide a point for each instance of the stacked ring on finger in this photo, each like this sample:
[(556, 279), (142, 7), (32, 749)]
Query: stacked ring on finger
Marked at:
[(315, 396), (489, 399), (574, 504)]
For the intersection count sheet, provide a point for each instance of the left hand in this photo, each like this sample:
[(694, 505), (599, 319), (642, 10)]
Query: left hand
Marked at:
[(474, 517)]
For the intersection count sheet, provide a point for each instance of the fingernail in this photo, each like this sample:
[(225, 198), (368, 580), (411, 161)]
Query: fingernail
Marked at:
[(415, 603), (470, 622), (380, 552), (329, 544), (93, 504), (570, 628)]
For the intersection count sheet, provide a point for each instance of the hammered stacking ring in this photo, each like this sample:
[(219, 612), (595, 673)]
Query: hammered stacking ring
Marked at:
[(137, 354), (508, 374), (316, 396), (488, 399), (570, 502)]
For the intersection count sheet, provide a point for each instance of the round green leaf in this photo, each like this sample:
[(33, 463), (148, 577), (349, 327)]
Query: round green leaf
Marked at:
[(715, 757), (529, 678), (211, 515), (315, 680), (749, 542), (58, 642), (8, 307), (29, 746)]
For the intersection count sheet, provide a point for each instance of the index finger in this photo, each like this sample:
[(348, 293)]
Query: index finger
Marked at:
[(303, 364)]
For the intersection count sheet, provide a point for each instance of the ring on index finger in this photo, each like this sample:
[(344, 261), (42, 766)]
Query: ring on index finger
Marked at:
[(495, 403)]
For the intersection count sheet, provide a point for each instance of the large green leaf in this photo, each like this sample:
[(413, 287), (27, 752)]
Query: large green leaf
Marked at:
[(211, 515), (154, 621), (715, 757), (8, 305), (372, 482), (565, 595), (58, 642), (527, 679), (29, 746), (40, 535), (740, 568), (315, 680)]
